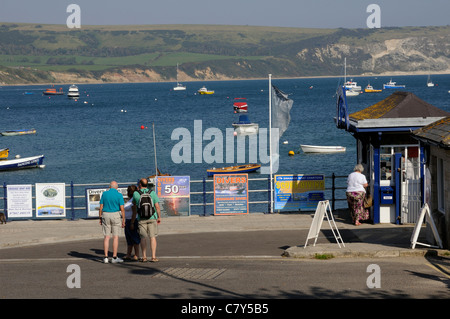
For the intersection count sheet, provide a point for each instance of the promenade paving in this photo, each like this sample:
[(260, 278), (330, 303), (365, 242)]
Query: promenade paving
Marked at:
[(366, 240)]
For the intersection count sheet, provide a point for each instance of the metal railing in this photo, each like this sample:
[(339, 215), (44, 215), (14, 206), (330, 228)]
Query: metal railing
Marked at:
[(201, 196)]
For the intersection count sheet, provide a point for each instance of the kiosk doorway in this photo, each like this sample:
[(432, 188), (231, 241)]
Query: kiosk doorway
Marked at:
[(401, 173)]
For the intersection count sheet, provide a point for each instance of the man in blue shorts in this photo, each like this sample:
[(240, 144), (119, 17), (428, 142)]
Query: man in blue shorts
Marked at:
[(112, 218)]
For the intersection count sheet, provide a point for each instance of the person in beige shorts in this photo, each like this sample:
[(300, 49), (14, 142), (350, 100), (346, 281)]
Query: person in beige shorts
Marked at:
[(112, 219), (147, 227)]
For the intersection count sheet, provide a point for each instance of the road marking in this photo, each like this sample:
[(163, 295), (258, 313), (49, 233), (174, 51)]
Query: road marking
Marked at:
[(443, 270), (18, 260)]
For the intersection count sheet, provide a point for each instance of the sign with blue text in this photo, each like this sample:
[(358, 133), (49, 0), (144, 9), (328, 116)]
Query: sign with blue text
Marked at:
[(295, 192)]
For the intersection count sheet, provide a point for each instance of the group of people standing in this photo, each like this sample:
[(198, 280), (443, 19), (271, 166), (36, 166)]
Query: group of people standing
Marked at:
[(115, 214)]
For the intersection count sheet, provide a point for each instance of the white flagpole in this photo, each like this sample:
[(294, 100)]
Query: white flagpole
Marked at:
[(270, 141)]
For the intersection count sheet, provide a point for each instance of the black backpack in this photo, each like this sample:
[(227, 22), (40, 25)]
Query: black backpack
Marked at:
[(145, 207)]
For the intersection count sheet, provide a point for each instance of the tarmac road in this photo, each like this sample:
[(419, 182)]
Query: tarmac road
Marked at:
[(220, 265)]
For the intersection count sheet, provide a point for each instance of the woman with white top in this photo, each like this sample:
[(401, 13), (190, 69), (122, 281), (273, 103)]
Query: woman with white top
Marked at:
[(356, 192)]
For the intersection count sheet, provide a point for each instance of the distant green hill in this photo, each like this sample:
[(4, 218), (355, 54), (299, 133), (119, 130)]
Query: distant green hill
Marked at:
[(31, 53)]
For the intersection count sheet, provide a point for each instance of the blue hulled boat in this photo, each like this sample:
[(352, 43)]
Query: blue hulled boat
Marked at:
[(393, 85), (19, 163)]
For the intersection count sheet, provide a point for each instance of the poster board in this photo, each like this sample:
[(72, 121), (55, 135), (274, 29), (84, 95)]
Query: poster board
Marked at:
[(20, 201), (230, 194), (174, 195), (93, 196), (50, 200), (415, 235), (323, 210), (296, 192)]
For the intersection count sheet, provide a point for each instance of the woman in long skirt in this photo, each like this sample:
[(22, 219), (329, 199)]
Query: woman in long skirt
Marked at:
[(356, 192)]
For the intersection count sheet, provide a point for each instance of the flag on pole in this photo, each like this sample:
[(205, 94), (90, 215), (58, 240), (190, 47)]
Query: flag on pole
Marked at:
[(281, 108)]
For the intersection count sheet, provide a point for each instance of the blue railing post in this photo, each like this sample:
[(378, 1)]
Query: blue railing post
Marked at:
[(5, 203), (72, 200), (333, 189), (269, 208), (204, 197)]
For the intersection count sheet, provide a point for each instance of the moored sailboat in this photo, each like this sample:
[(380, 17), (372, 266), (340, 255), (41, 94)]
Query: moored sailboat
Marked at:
[(352, 89), (430, 83), (179, 87)]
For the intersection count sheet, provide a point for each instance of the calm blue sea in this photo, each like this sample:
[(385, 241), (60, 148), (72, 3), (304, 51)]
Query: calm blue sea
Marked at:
[(99, 137)]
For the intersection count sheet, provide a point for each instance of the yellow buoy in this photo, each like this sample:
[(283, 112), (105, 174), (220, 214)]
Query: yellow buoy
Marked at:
[(291, 153)]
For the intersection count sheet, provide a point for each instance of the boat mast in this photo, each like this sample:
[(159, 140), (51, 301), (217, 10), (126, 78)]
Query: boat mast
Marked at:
[(154, 147), (345, 70)]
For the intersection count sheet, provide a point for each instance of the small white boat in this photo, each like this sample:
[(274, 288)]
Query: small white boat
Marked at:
[(351, 88), (322, 149), (242, 129), (351, 85), (244, 126), (179, 87), (73, 92), (430, 83), (351, 93)]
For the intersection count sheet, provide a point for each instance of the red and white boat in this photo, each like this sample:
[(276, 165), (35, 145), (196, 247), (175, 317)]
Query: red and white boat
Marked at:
[(240, 106)]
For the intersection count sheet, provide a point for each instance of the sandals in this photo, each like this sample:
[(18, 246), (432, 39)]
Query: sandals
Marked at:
[(144, 260), (134, 258)]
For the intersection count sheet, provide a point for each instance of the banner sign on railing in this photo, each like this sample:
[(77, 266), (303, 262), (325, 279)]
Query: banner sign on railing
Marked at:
[(230, 194), (294, 192), (93, 196), (174, 195), (20, 201), (50, 200)]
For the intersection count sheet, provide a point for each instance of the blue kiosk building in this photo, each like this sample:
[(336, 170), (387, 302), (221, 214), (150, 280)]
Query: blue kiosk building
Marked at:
[(393, 159)]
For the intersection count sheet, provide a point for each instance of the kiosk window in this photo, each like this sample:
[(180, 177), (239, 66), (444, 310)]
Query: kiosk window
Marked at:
[(386, 163)]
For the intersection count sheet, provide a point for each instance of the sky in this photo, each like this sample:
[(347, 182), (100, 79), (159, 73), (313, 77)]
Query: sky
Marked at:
[(281, 13)]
